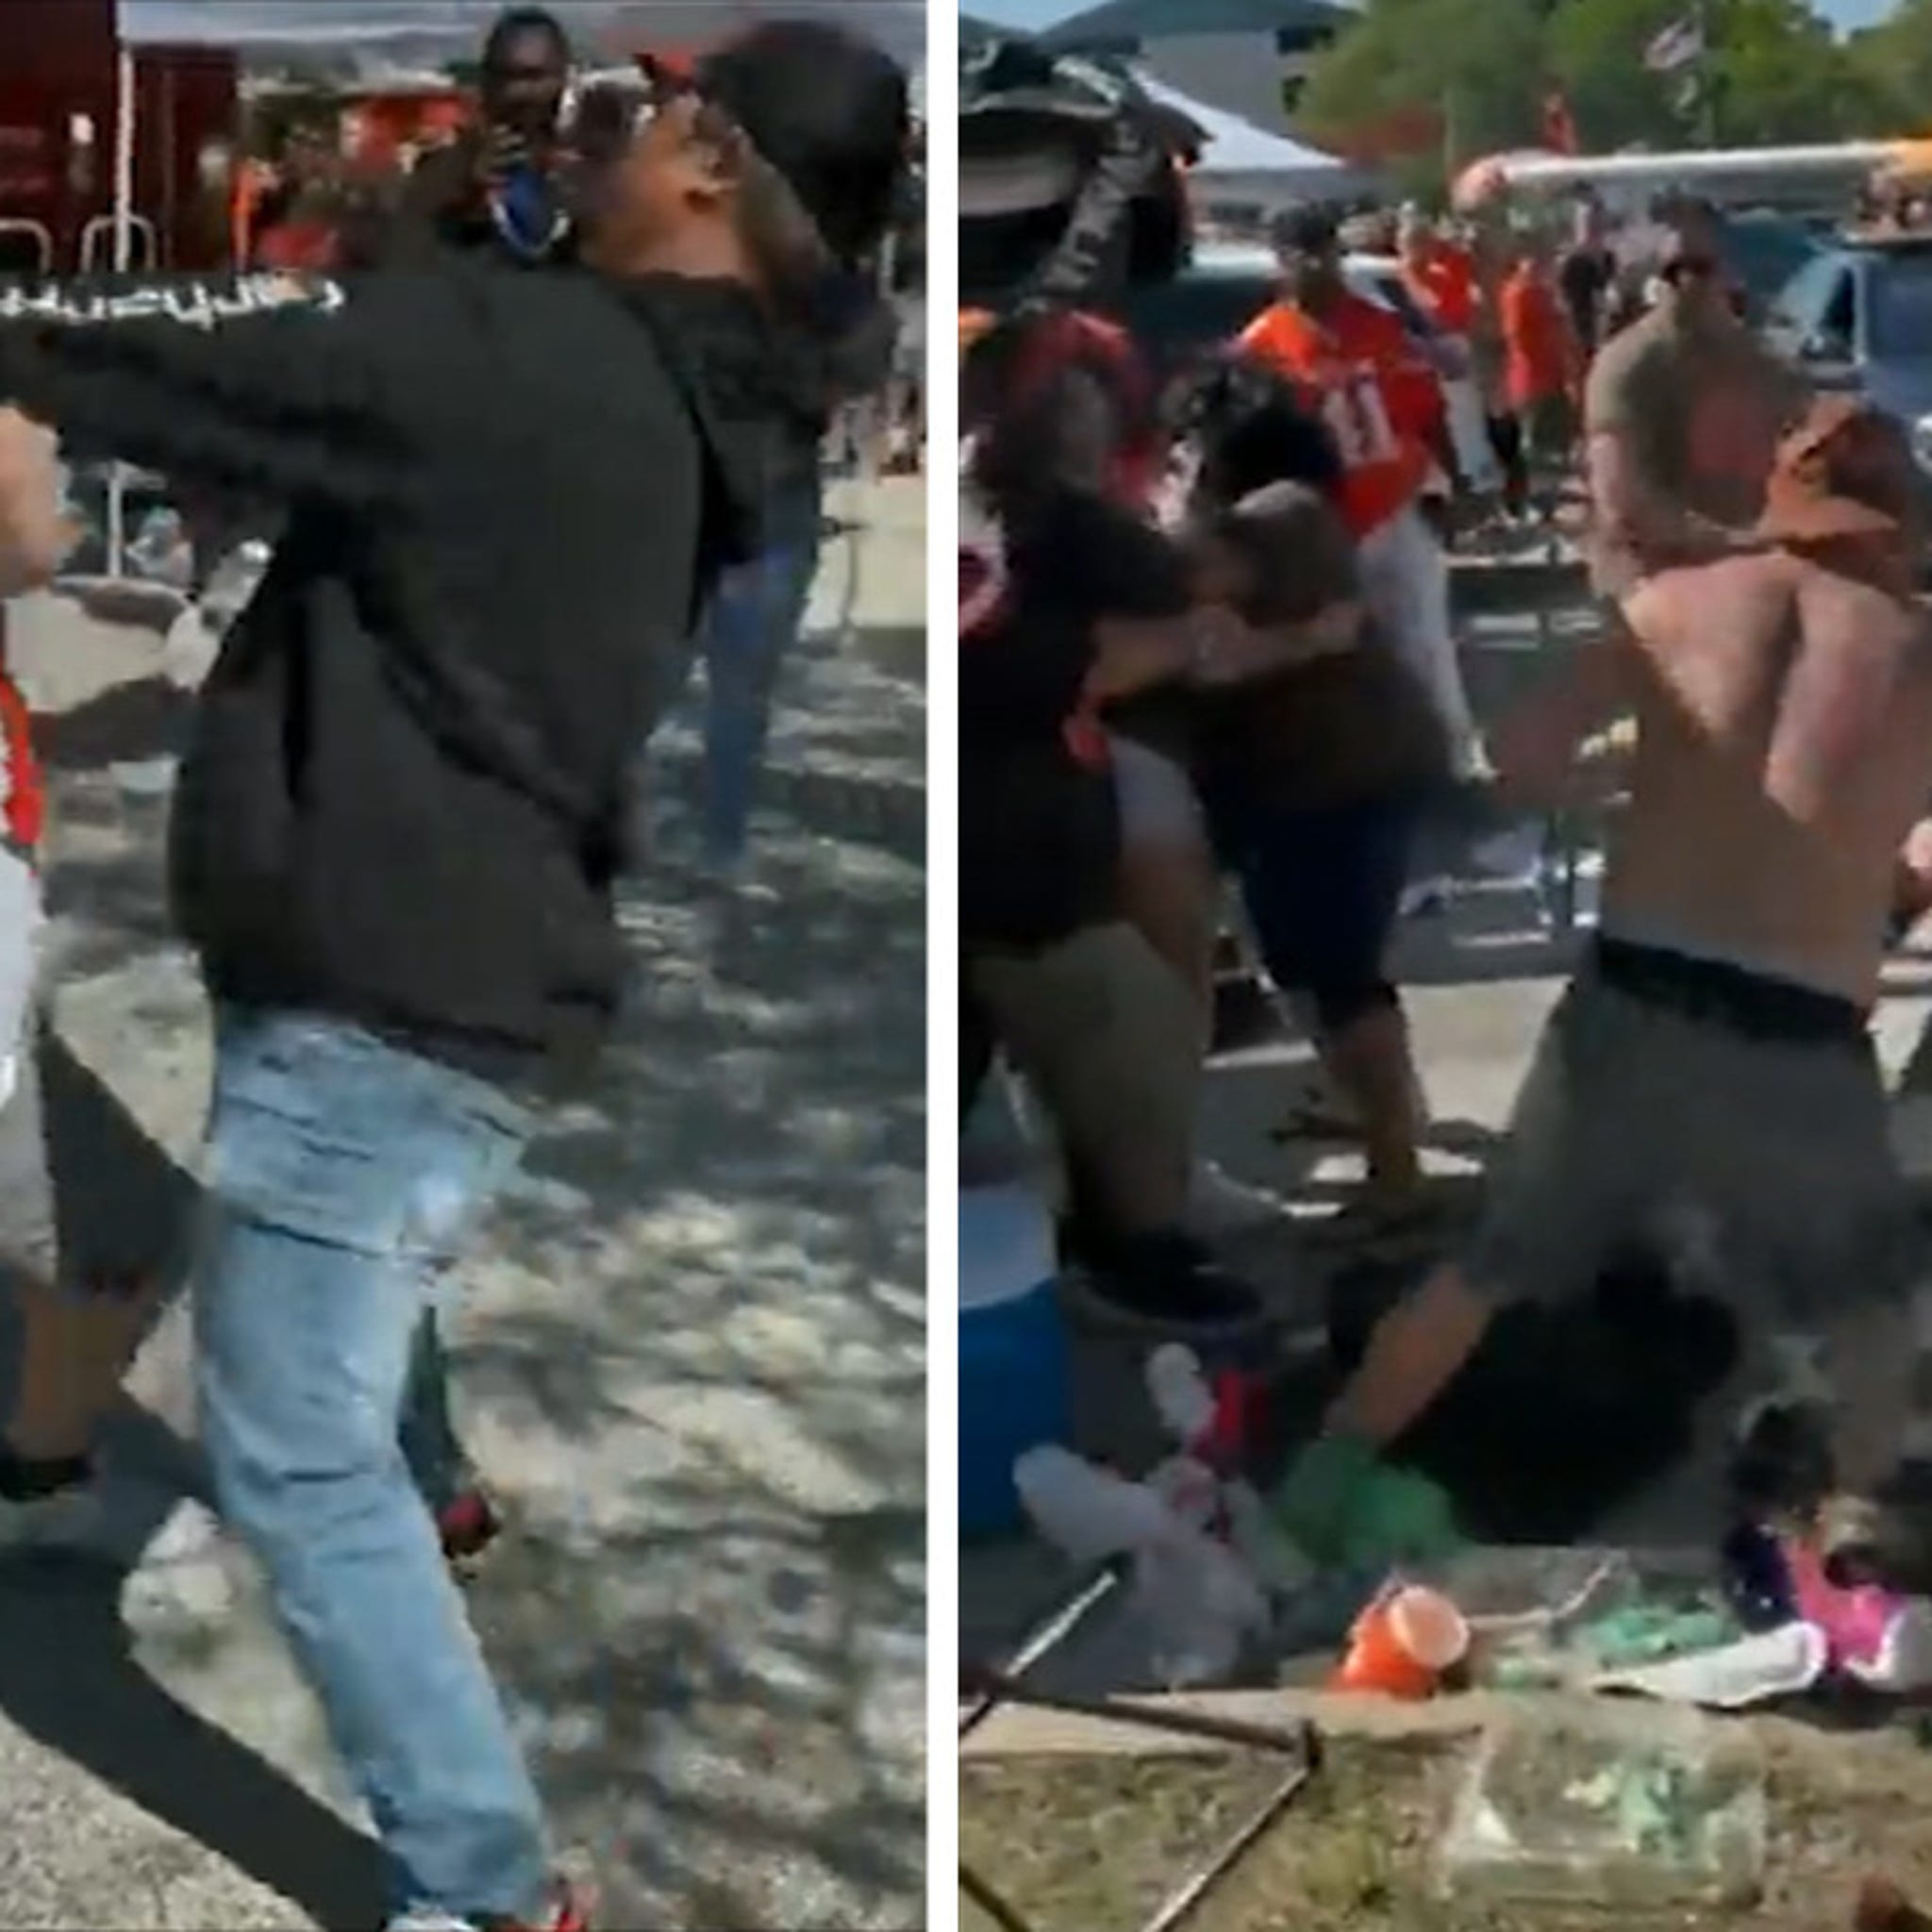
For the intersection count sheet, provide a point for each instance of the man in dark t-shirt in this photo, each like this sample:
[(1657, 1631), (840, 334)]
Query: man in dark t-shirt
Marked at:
[(1586, 273), (1095, 606)]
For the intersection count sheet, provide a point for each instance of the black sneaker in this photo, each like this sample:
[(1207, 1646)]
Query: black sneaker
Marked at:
[(467, 1524), (51, 1503)]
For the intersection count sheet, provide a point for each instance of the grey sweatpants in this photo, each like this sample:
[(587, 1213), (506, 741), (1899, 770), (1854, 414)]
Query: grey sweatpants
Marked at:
[(1654, 1114)]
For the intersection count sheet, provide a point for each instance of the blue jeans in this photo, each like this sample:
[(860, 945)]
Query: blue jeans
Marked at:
[(436, 1462), (343, 1174), (755, 615)]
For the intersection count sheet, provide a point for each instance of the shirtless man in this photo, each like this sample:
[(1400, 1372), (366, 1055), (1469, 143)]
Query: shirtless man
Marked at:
[(1682, 411), (1713, 1050)]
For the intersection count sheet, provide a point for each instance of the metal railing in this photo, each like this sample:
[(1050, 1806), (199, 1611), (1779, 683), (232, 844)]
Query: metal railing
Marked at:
[(97, 244)]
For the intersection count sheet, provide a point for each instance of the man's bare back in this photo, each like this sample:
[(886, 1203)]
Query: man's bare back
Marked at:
[(1784, 752)]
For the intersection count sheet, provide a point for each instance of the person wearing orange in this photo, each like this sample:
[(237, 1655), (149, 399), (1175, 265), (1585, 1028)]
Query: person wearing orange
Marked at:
[(1354, 363), (1543, 361), (1440, 276)]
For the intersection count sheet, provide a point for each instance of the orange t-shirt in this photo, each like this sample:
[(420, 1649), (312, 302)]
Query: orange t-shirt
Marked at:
[(1536, 334), (1444, 283), (1379, 399)]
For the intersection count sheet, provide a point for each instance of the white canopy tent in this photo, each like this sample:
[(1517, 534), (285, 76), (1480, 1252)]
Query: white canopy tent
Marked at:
[(1241, 162)]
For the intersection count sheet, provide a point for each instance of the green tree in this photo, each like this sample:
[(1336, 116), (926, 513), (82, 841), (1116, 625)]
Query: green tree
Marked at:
[(1483, 70), (1775, 73), (1472, 70), (1891, 69), (1781, 75), (1596, 55)]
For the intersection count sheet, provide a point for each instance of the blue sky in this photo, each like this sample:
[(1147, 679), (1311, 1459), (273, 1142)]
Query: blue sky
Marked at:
[(1846, 13)]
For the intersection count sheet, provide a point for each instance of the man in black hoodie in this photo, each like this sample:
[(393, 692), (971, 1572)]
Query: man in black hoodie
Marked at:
[(397, 828)]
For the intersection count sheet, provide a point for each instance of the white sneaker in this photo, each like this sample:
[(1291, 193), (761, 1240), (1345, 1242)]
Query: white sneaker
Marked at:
[(1219, 1204), (1515, 854), (181, 1583), (70, 1519)]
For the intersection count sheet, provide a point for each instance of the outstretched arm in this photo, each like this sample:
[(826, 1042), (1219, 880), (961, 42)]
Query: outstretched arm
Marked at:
[(259, 383)]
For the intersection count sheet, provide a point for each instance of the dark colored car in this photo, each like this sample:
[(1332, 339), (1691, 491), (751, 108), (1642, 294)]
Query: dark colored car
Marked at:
[(1763, 250), (1858, 317)]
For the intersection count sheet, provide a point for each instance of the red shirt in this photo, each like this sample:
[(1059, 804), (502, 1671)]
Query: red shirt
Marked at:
[(1444, 283), (1380, 400), (22, 784), (295, 246), (1541, 351)]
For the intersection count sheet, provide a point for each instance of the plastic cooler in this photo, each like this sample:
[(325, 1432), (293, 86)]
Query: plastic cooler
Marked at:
[(1012, 1350)]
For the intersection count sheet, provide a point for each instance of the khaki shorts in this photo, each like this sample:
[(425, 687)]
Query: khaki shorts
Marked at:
[(1109, 1036)]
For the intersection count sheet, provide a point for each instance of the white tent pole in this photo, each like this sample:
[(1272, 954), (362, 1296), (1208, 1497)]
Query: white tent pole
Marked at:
[(123, 260)]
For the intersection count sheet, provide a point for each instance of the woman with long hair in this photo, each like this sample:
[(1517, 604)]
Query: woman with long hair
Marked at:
[(1070, 600)]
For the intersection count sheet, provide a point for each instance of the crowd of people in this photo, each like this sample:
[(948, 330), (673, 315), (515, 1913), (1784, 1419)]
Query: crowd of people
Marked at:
[(567, 412), (1207, 639), (1200, 751)]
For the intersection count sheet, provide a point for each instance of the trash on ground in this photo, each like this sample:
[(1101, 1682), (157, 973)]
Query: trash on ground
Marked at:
[(1505, 1588), (1199, 1601), (1758, 1669), (1404, 1644), (1670, 1814), (234, 581), (1653, 1632), (1880, 1639)]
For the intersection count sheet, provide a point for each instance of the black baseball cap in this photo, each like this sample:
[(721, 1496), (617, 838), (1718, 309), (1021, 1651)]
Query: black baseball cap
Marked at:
[(1309, 229), (830, 111)]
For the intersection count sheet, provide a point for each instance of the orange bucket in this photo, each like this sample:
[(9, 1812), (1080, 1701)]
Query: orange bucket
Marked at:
[(1402, 1643)]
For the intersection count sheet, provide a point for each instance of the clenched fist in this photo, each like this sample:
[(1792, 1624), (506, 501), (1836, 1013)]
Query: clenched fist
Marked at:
[(35, 537)]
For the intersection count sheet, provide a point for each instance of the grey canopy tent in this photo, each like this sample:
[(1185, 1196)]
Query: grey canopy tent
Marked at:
[(391, 32), (432, 29)]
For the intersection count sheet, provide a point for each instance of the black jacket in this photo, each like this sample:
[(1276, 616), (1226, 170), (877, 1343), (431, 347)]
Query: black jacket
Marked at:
[(840, 349), (507, 495)]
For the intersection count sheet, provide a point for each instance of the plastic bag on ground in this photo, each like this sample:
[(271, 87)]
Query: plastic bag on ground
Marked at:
[(1641, 1810), (1755, 1670), (1196, 1601)]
